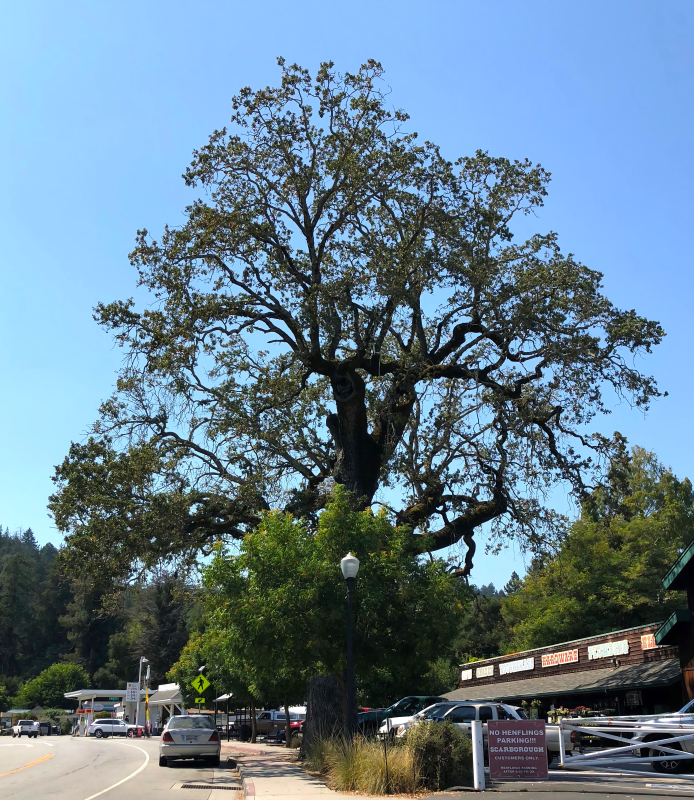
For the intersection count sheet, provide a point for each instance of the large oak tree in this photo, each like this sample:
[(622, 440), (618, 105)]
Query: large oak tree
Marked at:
[(345, 305)]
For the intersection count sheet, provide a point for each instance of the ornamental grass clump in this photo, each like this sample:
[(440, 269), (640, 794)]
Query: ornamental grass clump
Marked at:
[(432, 756), (361, 765)]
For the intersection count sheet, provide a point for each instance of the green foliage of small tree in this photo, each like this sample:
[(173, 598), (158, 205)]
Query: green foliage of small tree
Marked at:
[(281, 604), (49, 687), (607, 574)]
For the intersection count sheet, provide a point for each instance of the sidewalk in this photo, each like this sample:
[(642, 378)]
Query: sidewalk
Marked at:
[(269, 771)]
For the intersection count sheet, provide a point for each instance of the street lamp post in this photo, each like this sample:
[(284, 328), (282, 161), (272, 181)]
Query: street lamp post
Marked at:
[(143, 660), (350, 567)]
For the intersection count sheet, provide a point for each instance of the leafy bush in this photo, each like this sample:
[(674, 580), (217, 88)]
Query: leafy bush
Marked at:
[(432, 756), (442, 754)]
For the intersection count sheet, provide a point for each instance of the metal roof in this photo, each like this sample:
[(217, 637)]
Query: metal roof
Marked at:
[(666, 632), (634, 676), (678, 573)]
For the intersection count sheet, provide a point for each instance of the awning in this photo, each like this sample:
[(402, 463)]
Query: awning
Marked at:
[(680, 573), (634, 676), (669, 631), (166, 697)]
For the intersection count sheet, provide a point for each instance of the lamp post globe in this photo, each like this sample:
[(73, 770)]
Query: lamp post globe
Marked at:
[(350, 567)]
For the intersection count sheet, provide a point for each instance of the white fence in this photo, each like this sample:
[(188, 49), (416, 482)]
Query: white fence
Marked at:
[(668, 741)]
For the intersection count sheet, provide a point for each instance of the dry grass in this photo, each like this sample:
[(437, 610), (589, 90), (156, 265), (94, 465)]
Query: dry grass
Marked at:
[(432, 758), (361, 766)]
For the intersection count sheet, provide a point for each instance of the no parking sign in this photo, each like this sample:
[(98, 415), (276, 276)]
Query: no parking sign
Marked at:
[(517, 749)]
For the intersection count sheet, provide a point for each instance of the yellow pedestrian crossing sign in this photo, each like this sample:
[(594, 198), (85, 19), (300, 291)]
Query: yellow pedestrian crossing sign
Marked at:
[(200, 684)]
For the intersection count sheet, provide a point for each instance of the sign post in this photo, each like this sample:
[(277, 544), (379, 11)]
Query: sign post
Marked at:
[(517, 750)]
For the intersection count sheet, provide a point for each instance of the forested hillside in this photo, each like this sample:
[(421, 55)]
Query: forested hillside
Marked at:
[(47, 617)]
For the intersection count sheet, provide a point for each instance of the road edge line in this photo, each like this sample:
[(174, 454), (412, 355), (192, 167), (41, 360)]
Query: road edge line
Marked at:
[(132, 775)]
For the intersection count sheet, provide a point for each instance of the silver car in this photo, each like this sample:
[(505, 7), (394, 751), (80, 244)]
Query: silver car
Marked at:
[(190, 736)]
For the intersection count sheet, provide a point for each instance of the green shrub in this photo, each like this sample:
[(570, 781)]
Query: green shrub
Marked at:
[(442, 754)]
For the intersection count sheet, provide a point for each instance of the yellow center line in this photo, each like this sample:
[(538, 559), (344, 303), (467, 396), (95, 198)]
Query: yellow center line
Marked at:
[(31, 764)]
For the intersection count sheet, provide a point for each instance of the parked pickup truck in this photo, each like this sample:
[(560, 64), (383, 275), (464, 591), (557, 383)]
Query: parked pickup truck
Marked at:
[(268, 721), (370, 721), (462, 715), (24, 727)]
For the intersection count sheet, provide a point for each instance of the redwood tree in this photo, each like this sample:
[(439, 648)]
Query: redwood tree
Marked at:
[(346, 305)]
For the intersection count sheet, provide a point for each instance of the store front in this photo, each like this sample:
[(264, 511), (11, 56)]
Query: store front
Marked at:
[(623, 672)]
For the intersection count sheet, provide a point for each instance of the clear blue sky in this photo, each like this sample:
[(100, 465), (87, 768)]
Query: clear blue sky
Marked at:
[(101, 104)]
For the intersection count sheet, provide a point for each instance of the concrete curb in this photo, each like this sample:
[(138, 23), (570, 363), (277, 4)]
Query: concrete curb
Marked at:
[(247, 783)]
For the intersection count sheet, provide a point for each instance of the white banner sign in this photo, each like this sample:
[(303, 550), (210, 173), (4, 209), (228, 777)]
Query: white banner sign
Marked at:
[(466, 675), (131, 693), (484, 672), (608, 649), (521, 665)]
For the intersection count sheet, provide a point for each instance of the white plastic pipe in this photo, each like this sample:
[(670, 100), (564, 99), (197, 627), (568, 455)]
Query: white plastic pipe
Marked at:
[(562, 750), (477, 756)]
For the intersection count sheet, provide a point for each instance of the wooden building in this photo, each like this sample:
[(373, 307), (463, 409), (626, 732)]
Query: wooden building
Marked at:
[(622, 672)]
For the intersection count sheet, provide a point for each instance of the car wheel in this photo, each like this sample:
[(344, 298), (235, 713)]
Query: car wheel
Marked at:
[(163, 762), (98, 733), (14, 735), (129, 734), (670, 765)]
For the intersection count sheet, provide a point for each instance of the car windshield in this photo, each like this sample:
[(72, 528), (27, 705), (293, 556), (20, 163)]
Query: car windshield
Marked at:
[(520, 713), (435, 711), (25, 721), (181, 723)]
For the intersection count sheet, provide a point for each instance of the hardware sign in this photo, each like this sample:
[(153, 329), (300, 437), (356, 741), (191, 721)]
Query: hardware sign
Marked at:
[(466, 675), (555, 659), (607, 649), (521, 665), (648, 642), (484, 672), (517, 750)]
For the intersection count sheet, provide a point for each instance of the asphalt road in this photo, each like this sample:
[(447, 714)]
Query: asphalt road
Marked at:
[(63, 768)]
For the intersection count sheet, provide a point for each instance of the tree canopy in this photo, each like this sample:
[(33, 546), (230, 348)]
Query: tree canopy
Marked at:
[(49, 687), (347, 306), (607, 574), (276, 610)]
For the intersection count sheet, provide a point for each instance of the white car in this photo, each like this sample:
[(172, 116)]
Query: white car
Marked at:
[(103, 728), (398, 725), (190, 736)]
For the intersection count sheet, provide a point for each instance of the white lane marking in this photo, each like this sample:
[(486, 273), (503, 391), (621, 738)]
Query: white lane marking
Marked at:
[(132, 775), (16, 745)]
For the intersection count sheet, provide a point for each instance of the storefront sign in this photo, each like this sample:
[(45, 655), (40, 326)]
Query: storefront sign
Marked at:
[(648, 642), (565, 657), (608, 649), (484, 672), (132, 690), (517, 749), (466, 675), (521, 665)]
